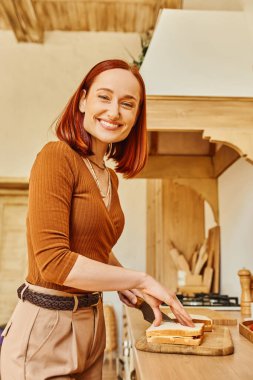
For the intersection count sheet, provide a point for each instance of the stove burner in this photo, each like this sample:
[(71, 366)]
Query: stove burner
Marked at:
[(211, 299)]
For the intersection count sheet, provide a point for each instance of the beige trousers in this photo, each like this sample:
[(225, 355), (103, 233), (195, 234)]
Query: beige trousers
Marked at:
[(43, 344)]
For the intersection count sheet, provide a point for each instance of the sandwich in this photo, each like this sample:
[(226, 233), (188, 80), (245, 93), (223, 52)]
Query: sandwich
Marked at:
[(208, 323), (175, 333)]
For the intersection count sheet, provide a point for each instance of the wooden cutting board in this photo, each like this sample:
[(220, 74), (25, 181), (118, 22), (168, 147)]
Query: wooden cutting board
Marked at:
[(218, 317), (215, 343), (245, 331)]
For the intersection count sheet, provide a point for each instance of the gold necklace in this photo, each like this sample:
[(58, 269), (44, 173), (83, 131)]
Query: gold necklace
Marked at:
[(97, 180), (100, 167)]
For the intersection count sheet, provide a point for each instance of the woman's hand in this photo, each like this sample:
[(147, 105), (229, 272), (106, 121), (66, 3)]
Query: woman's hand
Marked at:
[(128, 297), (159, 294)]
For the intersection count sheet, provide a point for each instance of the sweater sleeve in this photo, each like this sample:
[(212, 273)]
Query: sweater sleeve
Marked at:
[(51, 186)]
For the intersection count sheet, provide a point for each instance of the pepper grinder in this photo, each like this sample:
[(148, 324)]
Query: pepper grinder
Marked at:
[(245, 280), (251, 288)]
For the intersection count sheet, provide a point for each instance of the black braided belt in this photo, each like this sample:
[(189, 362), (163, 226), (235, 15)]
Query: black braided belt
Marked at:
[(49, 301)]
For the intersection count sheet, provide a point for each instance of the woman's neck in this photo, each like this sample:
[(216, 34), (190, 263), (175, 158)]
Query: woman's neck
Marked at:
[(99, 149)]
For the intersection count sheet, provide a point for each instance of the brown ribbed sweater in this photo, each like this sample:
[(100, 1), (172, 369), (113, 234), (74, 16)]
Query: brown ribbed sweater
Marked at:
[(67, 216)]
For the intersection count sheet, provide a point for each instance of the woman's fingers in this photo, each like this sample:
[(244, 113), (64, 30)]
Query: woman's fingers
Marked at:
[(131, 296), (154, 303), (180, 313), (128, 297), (158, 316), (125, 300), (137, 292)]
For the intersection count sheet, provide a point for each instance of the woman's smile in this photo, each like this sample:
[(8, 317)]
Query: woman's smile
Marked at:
[(111, 126)]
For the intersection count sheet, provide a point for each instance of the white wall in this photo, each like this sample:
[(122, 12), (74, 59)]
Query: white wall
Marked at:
[(37, 80), (236, 220), (200, 53), (223, 5), (248, 8)]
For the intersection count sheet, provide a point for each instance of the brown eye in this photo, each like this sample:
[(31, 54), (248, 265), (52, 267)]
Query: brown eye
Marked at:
[(104, 97), (128, 105)]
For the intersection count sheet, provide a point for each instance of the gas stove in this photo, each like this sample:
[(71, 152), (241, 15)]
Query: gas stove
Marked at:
[(214, 301)]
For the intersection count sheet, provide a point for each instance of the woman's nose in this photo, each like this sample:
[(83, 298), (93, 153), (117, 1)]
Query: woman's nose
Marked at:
[(113, 111)]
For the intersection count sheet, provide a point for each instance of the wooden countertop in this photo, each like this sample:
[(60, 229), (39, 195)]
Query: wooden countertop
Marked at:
[(152, 366)]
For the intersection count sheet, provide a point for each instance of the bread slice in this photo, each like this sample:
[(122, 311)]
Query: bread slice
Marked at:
[(175, 333), (208, 323), (187, 341)]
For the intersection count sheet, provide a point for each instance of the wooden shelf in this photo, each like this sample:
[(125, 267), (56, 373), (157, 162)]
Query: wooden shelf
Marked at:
[(226, 121)]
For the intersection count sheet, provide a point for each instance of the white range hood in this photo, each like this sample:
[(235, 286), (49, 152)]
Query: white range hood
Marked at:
[(200, 53)]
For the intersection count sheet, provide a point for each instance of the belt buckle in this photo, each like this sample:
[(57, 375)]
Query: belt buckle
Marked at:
[(95, 304), (76, 303)]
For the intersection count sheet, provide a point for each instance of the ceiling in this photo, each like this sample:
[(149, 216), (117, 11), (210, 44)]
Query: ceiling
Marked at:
[(30, 18)]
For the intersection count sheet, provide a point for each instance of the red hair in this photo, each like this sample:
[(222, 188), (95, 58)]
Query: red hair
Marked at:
[(130, 154)]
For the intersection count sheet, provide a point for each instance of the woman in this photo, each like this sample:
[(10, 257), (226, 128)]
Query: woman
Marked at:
[(74, 219)]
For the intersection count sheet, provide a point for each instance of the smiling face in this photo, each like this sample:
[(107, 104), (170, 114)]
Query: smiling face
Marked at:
[(111, 106)]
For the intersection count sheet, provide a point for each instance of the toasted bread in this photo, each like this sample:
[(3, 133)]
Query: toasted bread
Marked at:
[(208, 323), (188, 341), (175, 333)]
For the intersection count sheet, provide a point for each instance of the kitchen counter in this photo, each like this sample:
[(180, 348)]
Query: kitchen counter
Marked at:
[(156, 366)]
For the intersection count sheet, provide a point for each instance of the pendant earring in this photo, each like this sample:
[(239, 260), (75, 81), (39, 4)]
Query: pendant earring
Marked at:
[(109, 149)]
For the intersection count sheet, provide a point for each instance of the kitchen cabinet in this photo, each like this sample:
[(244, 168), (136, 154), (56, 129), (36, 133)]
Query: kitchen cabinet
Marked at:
[(192, 141), (150, 366)]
